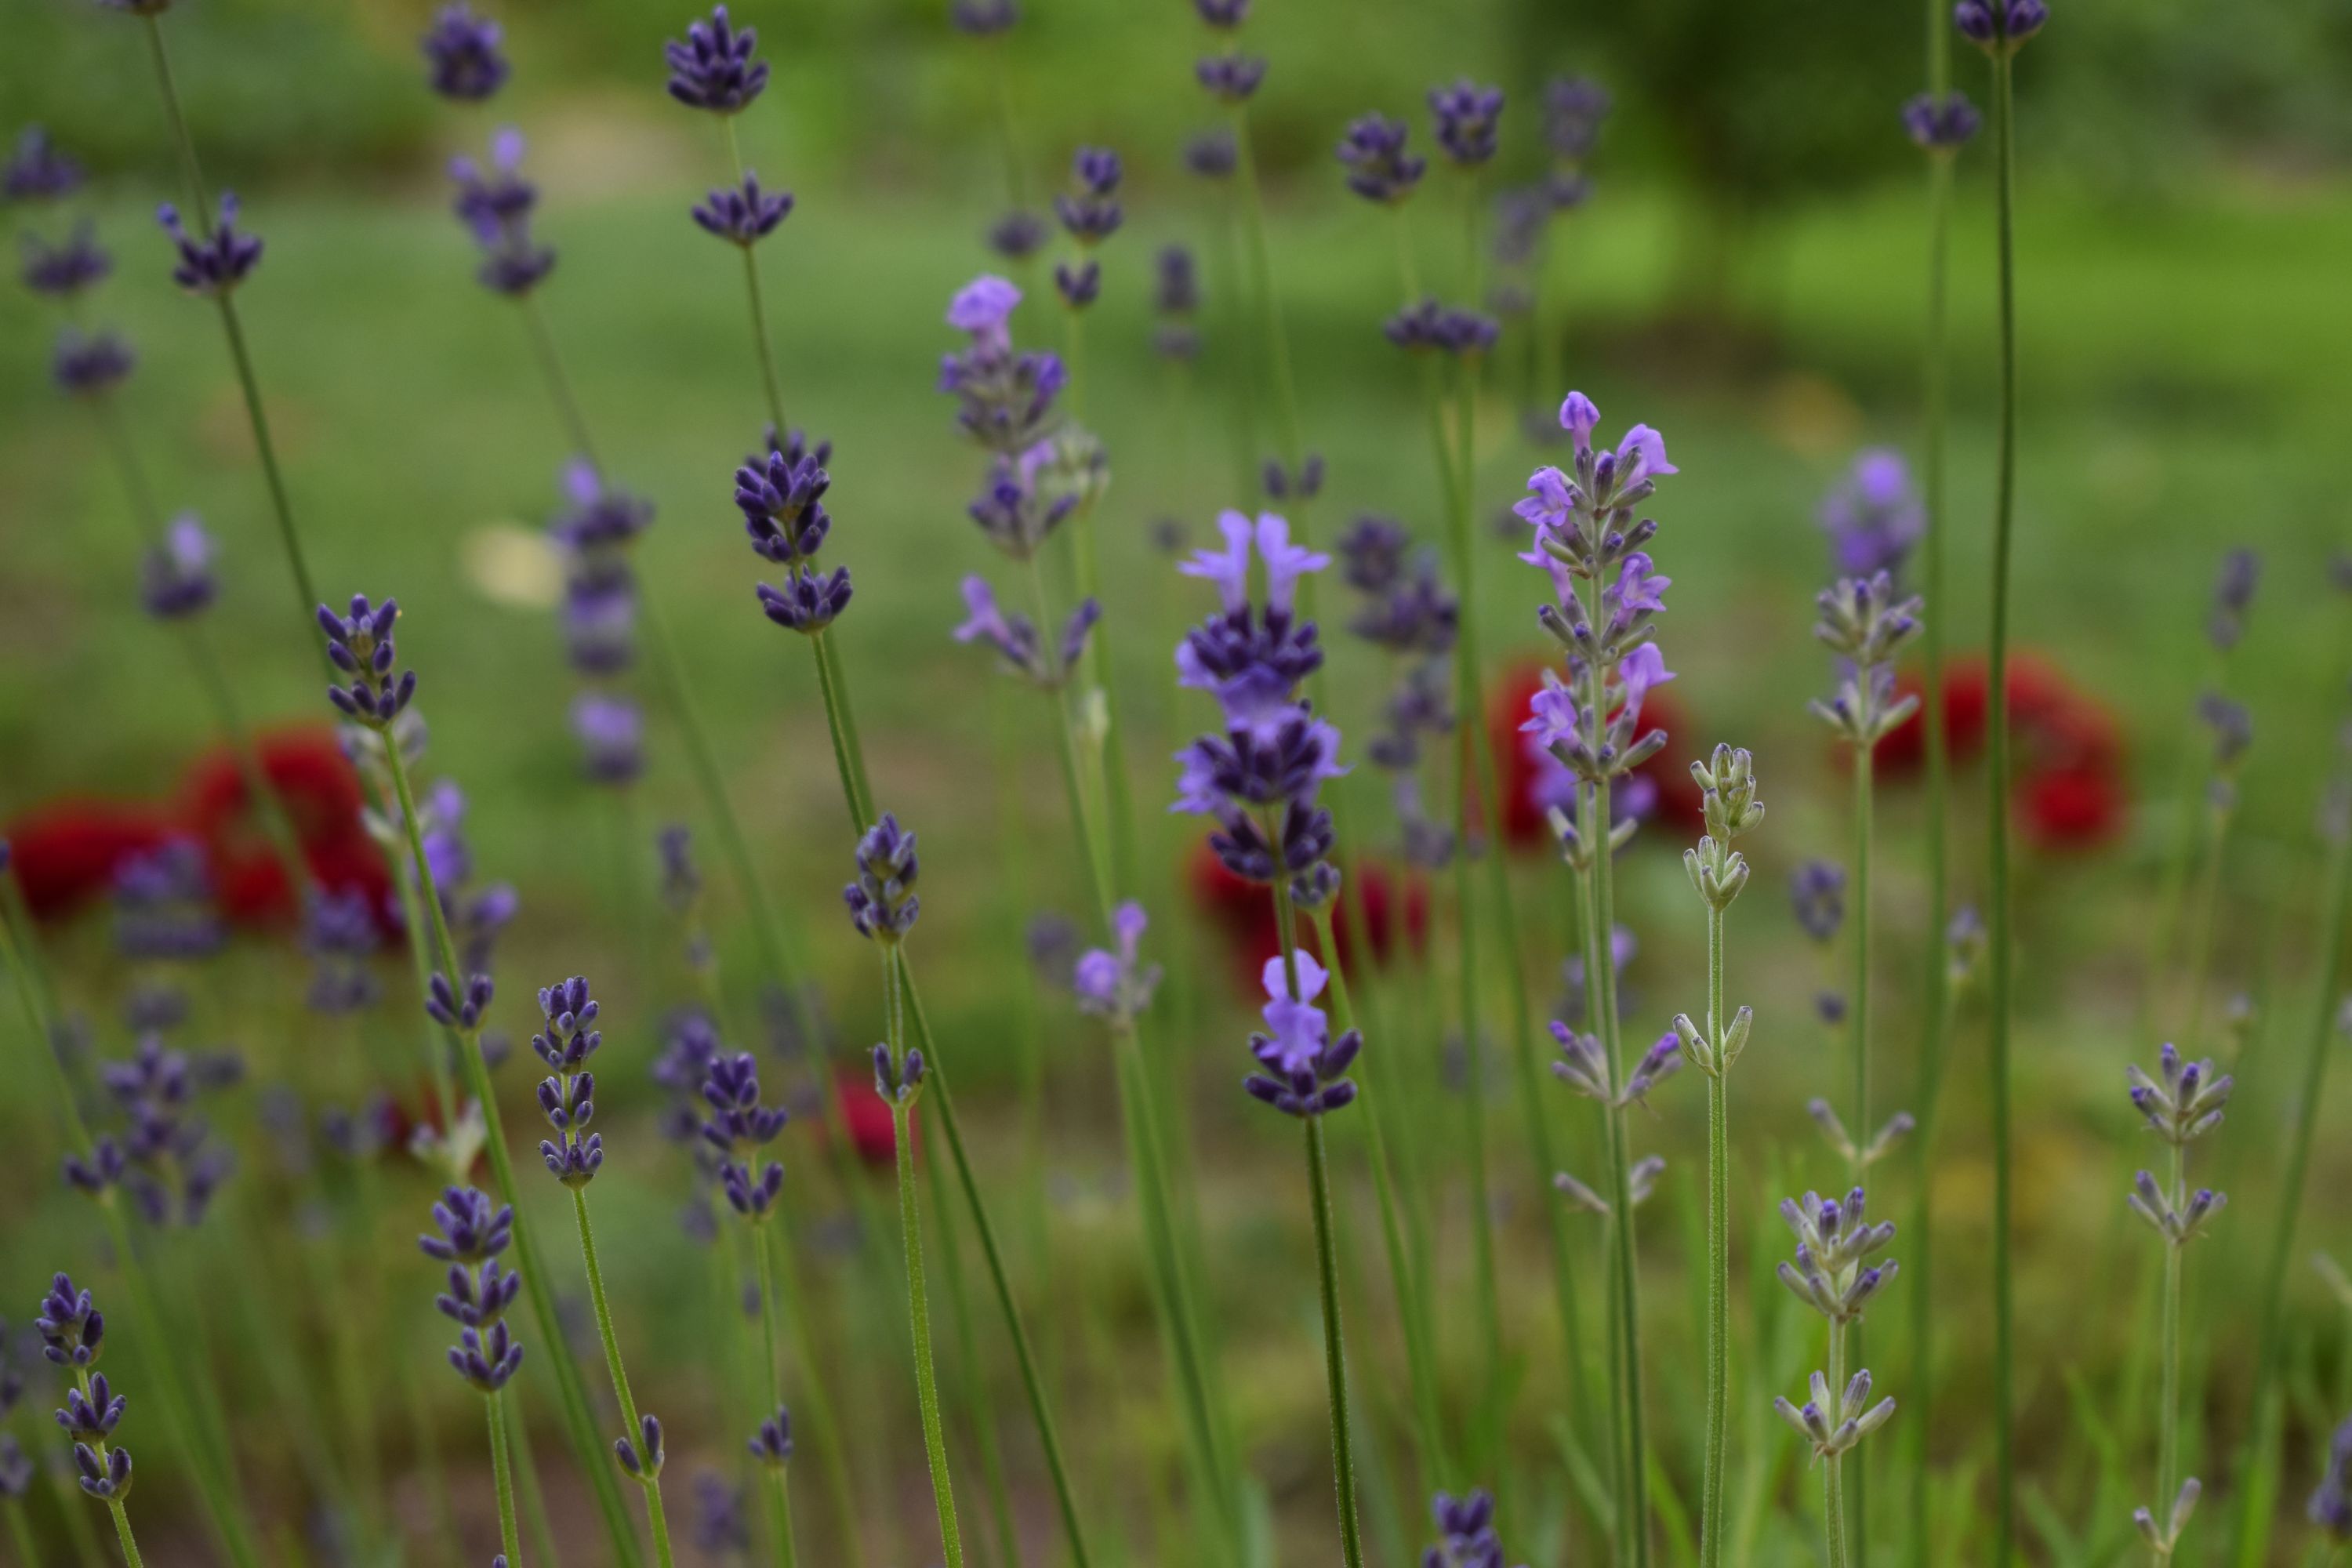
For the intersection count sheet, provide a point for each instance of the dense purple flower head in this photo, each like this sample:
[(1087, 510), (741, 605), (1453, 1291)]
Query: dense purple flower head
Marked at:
[(743, 214), (600, 612), (164, 905), (1372, 553), (1468, 120), (714, 69), (1465, 1532), (738, 1127), (773, 1443), (598, 513), (1817, 895), (1177, 282), (462, 55), (1117, 984), (1444, 329), (495, 204), (1380, 168), (781, 494), (1212, 154), (64, 271), (1242, 641), (338, 933), (137, 8), (211, 264), (360, 645), (1231, 79), (1304, 1070), (175, 576), (1078, 286), (611, 730), (2000, 26), (1873, 515), (1940, 125), (809, 601), (1414, 613), (1574, 107), (38, 171), (983, 19), (90, 364), (72, 1329), (568, 1037), (1090, 209), (883, 904), (1223, 14), (1017, 234), (1005, 399)]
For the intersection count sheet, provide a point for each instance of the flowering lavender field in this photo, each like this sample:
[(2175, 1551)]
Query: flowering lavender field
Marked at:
[(1250, 852)]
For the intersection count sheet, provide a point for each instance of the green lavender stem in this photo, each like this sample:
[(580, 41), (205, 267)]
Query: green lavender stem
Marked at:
[(780, 1500), (655, 1519), (832, 1440), (768, 381), (1327, 1269), (2168, 1418), (1834, 1467), (1718, 1252), (1413, 1310), (1261, 262), (2296, 1173), (2218, 815), (537, 1285), (503, 1477), (919, 1310), (20, 1532), (1863, 805), (2004, 1333), (976, 1412), (559, 384)]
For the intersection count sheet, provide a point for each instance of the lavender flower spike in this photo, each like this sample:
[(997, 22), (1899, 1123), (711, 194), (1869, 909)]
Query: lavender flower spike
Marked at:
[(882, 903), (1835, 1426), (1943, 124), (462, 57), (2000, 27), (2331, 1505), (568, 1097), (216, 263), (1468, 120), (1116, 985), (1379, 167), (714, 69), (1017, 641), (90, 364), (2184, 1102), (473, 1234), (38, 171), (1306, 1070), (1090, 210), (360, 645), (63, 271), (738, 1127), (743, 214), (176, 577), (1831, 1272), (1466, 1536)]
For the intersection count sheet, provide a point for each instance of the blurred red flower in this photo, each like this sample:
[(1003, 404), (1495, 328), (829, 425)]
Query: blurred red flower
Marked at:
[(320, 792), (65, 852), (2069, 779), (1242, 911), (867, 1120)]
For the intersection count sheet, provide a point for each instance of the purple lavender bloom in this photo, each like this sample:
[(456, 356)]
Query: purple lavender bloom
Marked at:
[(361, 645), (1468, 120), (1090, 210), (1240, 640), (1116, 985), (568, 1096), (720, 1529), (983, 19), (1016, 639), (1305, 1070), (1416, 615), (1465, 1530), (90, 364), (462, 57), (599, 513), (1940, 124), (1817, 894), (495, 208), (773, 1443), (1379, 167), (16, 1469), (642, 1454), (72, 1329), (2331, 1504), (743, 214), (339, 932), (1230, 78), (175, 577), (1372, 555), (600, 612), (38, 171), (714, 68), (2233, 595), (2185, 1101), (62, 271), (1212, 154), (1224, 15), (2232, 728), (213, 264), (882, 902), (164, 1161), (781, 494), (1017, 236), (1305, 481), (612, 732), (1176, 297), (1006, 400), (1444, 329), (1831, 1272), (1078, 286), (2000, 27), (164, 907), (1872, 516), (1574, 107), (1022, 501), (808, 602), (738, 1127)]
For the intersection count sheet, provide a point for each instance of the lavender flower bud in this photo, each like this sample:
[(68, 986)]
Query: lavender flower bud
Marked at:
[(1468, 120), (213, 264), (773, 1443), (90, 364), (38, 171), (175, 576), (1078, 286), (2233, 595), (1379, 169), (611, 732), (642, 1456), (2000, 27), (1089, 210), (462, 55), (1940, 125), (1017, 236), (882, 903), (361, 645), (743, 214), (983, 19), (1231, 79), (72, 1329), (714, 69), (1212, 154), (63, 271)]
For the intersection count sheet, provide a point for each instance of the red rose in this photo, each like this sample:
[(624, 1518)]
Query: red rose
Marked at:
[(320, 791)]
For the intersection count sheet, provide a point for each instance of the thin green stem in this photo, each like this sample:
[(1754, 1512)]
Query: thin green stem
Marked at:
[(1834, 1467), (280, 508), (2209, 900), (768, 379), (848, 758), (502, 1475), (1041, 1414), (1862, 1129), (538, 1287), (20, 1532), (1718, 1253), (1999, 999), (2168, 1417), (780, 1500), (655, 1519), (1277, 343), (1335, 1354), (184, 144), (559, 380), (977, 1415), (919, 1310), (531, 1497)]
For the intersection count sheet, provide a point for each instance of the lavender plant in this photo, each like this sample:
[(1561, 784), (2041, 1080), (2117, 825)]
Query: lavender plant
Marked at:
[(473, 1234), (1717, 873), (1832, 1274), (2181, 1104), (73, 1335)]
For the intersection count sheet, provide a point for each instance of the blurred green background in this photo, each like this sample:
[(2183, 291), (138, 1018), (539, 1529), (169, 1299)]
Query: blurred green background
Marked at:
[(1748, 277)]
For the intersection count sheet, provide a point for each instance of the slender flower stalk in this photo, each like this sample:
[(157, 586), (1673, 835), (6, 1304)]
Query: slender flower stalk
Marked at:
[(573, 1156), (1717, 872), (2000, 27), (360, 648), (1832, 1274), (472, 1234)]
